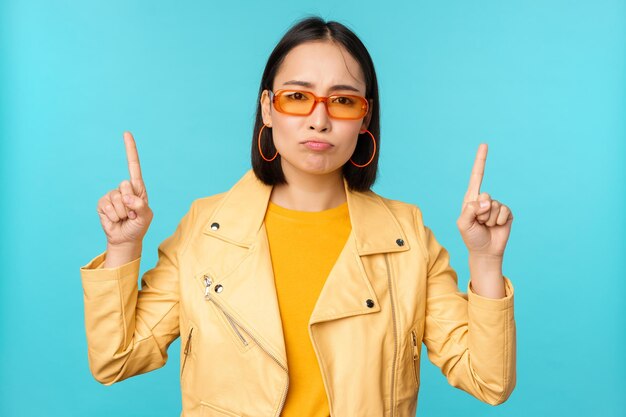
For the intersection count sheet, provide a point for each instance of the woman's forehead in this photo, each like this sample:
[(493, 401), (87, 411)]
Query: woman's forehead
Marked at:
[(320, 66)]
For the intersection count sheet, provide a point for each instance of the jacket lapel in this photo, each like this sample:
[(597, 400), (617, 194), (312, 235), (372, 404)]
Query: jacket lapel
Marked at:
[(250, 294), (348, 287)]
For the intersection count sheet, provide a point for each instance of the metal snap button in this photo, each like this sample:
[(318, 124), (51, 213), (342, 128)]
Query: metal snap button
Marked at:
[(215, 226), (370, 303), (400, 242), (219, 288)]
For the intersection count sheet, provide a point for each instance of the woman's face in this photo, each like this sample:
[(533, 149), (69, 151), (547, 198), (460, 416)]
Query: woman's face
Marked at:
[(317, 67)]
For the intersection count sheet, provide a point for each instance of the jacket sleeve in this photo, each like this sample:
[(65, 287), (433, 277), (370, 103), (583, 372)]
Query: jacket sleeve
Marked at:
[(469, 337), (129, 331)]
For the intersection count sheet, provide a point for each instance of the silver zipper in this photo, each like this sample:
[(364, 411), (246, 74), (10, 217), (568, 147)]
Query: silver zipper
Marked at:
[(415, 356), (207, 296), (186, 351), (232, 323), (207, 285), (395, 337)]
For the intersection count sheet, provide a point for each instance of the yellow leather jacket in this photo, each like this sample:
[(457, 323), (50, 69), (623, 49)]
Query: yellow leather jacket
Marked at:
[(391, 289)]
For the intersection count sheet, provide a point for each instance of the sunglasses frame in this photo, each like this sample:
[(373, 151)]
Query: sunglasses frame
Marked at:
[(364, 103)]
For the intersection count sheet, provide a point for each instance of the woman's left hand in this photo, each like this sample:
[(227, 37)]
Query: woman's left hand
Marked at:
[(485, 230)]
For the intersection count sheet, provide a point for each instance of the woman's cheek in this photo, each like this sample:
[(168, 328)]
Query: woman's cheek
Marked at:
[(280, 140), (285, 136), (352, 142)]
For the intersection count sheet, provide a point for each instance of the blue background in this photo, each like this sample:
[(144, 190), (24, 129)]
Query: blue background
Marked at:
[(542, 82)]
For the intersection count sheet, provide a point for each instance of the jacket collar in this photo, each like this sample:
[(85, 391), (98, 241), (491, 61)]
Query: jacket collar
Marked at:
[(241, 213)]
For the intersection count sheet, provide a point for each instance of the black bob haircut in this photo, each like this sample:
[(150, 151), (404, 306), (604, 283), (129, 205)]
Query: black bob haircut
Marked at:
[(316, 29)]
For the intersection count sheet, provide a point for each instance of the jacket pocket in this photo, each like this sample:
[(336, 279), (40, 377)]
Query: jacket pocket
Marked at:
[(415, 344), (187, 349), (210, 410), (238, 335), (416, 357)]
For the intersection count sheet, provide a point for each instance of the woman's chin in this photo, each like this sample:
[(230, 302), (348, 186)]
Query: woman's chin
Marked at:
[(319, 167), (313, 164)]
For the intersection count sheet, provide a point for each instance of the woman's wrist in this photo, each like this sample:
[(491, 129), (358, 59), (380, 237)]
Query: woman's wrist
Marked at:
[(117, 255), (486, 275)]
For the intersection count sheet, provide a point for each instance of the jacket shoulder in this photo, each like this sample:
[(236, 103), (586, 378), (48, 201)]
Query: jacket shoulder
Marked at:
[(208, 203), (402, 209), (202, 207), (410, 218)]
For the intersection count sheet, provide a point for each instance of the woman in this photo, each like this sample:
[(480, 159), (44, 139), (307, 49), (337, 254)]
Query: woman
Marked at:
[(300, 292)]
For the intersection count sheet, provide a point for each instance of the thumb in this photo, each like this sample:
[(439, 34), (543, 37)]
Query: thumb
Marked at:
[(137, 204), (471, 210)]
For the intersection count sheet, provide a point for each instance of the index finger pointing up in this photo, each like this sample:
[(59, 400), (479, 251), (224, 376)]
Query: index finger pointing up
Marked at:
[(476, 178), (133, 159)]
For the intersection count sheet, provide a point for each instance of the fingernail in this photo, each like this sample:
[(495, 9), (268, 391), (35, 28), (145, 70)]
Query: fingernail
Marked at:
[(126, 199), (484, 204)]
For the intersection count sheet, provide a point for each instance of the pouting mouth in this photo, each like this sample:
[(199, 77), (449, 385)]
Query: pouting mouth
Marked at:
[(317, 140)]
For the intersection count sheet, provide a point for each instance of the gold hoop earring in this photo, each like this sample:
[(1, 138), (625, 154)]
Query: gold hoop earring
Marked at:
[(374, 153), (260, 151)]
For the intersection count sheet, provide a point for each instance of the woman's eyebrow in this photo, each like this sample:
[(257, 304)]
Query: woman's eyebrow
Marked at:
[(310, 85)]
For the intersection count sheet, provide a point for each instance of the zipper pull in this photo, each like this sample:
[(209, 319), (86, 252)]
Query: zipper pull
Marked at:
[(188, 344), (207, 284)]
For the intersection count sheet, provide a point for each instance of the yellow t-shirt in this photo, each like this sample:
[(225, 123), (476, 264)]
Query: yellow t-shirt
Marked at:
[(304, 247)]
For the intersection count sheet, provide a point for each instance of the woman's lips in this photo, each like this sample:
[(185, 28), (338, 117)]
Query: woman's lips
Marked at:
[(317, 146)]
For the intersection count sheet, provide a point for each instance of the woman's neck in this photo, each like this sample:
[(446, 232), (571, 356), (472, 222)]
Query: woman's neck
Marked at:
[(309, 192)]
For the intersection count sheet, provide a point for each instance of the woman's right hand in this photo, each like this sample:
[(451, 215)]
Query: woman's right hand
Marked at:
[(126, 222)]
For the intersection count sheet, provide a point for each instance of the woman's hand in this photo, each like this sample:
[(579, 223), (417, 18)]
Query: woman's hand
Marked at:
[(124, 212), (485, 229)]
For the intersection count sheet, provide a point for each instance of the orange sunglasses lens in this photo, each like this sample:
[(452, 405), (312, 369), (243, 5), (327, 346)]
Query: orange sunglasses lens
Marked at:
[(301, 103)]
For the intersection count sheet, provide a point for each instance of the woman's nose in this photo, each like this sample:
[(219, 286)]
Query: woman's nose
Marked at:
[(319, 119)]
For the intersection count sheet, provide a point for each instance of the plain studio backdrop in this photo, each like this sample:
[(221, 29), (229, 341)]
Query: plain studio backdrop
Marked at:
[(542, 82)]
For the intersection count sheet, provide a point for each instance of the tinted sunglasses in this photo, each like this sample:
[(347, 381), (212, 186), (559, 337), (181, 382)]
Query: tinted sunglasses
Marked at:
[(302, 103)]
